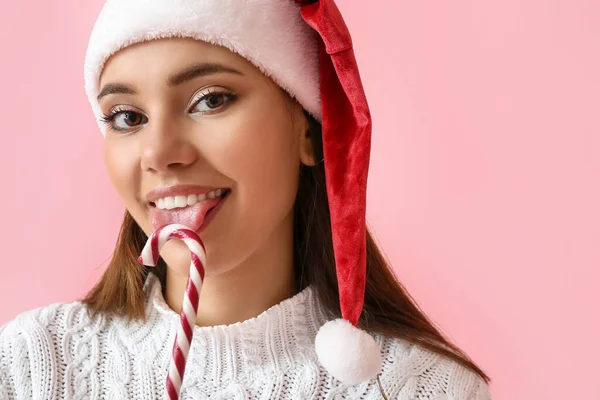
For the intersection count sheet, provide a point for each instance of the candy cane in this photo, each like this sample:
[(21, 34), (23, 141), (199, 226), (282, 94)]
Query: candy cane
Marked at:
[(189, 309)]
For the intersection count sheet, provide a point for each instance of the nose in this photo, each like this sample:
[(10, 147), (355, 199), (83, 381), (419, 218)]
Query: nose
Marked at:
[(165, 146)]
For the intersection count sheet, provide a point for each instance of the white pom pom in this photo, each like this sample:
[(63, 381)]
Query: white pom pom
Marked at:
[(347, 353)]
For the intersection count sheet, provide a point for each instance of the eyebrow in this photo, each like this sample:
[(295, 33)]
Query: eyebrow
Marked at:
[(198, 70), (115, 88), (179, 78)]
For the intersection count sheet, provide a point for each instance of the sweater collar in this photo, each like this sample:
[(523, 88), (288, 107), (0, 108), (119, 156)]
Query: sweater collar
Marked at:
[(272, 342)]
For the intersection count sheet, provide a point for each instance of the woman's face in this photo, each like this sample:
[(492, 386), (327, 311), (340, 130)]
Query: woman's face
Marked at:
[(184, 112)]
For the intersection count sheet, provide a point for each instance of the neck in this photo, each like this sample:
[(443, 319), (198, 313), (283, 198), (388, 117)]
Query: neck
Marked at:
[(244, 291)]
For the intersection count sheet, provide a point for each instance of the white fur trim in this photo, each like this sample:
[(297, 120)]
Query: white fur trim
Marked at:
[(269, 33), (347, 353)]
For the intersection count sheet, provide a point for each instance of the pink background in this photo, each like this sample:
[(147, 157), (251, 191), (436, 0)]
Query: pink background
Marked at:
[(484, 187)]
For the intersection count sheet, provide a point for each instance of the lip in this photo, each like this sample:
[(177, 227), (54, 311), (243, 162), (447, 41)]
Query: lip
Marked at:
[(190, 216), (178, 190)]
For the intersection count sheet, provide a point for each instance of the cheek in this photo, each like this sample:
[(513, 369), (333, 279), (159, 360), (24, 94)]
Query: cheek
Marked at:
[(261, 156), (267, 160), (122, 170)]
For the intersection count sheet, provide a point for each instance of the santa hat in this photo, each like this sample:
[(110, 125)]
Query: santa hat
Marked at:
[(305, 47)]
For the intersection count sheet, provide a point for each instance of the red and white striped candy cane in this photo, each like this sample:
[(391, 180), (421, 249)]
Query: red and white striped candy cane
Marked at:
[(189, 310)]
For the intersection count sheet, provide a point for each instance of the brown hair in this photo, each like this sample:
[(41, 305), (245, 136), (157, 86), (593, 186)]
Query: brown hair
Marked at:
[(388, 308)]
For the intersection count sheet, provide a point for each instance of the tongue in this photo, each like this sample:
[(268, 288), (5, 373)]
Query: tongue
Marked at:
[(190, 216)]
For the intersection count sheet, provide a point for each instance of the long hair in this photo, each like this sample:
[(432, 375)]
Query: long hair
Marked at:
[(388, 308)]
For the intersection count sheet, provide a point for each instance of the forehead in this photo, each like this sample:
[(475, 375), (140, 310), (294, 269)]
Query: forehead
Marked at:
[(167, 56)]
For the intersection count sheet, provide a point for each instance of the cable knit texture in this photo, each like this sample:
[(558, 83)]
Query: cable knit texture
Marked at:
[(58, 352)]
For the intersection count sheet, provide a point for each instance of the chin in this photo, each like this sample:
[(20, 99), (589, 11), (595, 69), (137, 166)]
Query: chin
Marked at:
[(177, 256), (217, 266)]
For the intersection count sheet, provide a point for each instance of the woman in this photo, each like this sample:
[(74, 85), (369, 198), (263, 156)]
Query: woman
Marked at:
[(245, 121)]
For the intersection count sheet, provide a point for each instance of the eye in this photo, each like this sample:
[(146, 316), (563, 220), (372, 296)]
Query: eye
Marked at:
[(127, 119), (123, 120), (213, 101)]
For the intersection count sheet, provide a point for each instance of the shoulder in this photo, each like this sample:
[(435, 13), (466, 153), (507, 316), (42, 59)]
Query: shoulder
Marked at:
[(40, 322), (413, 372), (32, 343)]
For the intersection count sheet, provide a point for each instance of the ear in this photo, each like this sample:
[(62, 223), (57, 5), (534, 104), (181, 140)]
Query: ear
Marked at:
[(307, 155), (305, 146)]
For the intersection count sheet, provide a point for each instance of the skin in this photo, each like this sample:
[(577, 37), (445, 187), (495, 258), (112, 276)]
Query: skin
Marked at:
[(252, 143)]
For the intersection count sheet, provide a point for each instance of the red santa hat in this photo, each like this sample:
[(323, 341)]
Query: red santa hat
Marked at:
[(306, 48)]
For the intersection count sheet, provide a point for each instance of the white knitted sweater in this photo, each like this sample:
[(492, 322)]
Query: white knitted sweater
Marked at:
[(58, 352)]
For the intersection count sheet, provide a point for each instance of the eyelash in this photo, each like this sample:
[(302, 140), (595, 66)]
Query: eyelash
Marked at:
[(213, 91), (112, 114), (109, 117)]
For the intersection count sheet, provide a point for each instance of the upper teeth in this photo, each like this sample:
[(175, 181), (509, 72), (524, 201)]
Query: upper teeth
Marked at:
[(172, 202)]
